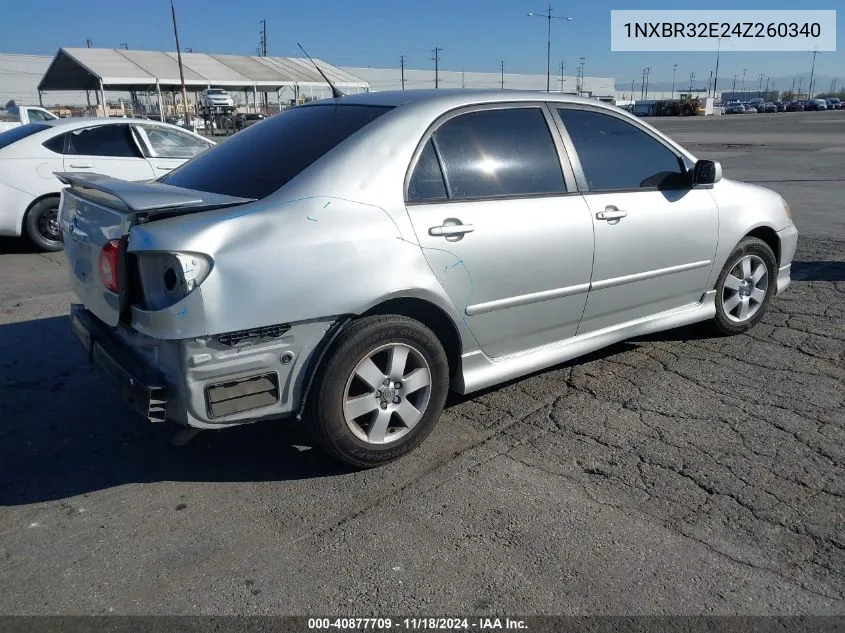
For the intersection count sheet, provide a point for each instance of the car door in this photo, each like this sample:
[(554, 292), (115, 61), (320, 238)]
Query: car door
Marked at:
[(166, 148), (504, 231), (106, 149), (655, 235)]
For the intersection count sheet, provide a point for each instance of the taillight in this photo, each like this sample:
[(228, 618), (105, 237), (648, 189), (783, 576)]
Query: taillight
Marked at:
[(110, 265)]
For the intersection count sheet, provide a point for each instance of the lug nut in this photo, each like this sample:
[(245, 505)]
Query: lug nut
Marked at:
[(383, 405), (387, 382), (378, 394), (396, 400), (398, 385)]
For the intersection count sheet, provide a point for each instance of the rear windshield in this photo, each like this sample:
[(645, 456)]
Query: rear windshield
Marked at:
[(22, 131), (260, 159)]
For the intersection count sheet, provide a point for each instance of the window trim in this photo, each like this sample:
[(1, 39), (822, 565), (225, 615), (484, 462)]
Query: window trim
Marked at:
[(583, 186), (139, 132), (564, 163)]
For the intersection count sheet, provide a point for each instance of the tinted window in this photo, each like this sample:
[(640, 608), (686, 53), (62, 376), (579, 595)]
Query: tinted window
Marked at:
[(165, 143), (502, 152), (258, 160), (427, 180), (22, 131), (617, 155), (105, 140), (56, 144)]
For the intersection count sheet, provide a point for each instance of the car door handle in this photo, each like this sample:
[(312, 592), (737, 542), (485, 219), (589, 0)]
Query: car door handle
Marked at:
[(165, 168), (81, 165), (611, 213), (449, 230)]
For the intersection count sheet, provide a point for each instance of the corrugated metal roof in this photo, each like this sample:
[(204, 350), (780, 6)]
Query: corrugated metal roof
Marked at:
[(84, 68)]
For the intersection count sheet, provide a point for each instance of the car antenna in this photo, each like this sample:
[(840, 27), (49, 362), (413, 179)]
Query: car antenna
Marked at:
[(337, 94)]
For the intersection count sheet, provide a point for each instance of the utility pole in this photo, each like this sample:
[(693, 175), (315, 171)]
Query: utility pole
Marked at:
[(562, 70), (89, 43), (716, 80), (833, 87), (583, 60), (642, 86), (709, 83), (125, 46), (502, 68), (262, 39), (632, 90), (402, 66), (760, 87), (792, 91), (436, 57), (733, 90), (674, 70), (179, 59), (800, 85), (647, 75), (691, 78), (812, 73), (744, 70)]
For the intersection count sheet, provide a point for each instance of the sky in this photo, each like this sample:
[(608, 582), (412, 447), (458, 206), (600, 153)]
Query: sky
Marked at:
[(475, 35)]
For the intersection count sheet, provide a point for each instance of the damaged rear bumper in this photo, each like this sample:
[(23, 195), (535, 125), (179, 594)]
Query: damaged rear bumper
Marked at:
[(206, 382)]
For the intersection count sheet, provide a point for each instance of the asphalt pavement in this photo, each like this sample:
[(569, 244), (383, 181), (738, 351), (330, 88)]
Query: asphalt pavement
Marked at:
[(681, 473)]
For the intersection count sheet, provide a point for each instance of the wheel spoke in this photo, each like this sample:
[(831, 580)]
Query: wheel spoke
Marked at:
[(743, 308), (732, 302), (416, 380), (758, 295), (408, 413), (361, 405), (732, 282), (379, 429), (758, 273), (745, 265), (369, 372), (398, 359)]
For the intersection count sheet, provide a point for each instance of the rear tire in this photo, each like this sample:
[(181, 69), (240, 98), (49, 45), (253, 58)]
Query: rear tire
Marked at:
[(381, 391), (42, 225), (745, 286)]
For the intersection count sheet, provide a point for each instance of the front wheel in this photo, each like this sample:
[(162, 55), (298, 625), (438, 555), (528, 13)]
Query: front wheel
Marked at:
[(381, 392), (745, 286)]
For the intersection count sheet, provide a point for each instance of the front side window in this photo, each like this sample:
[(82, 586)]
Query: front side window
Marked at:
[(616, 155), (499, 152), (104, 140), (262, 158), (164, 143)]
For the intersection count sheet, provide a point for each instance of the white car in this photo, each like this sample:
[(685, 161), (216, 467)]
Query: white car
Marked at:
[(130, 149), (217, 97)]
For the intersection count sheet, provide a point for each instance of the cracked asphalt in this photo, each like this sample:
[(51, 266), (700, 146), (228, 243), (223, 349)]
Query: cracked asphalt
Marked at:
[(681, 473)]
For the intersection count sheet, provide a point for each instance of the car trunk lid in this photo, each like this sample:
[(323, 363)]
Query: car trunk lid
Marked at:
[(97, 212)]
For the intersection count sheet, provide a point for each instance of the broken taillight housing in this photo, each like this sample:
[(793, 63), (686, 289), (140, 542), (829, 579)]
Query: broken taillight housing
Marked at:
[(109, 265), (167, 278)]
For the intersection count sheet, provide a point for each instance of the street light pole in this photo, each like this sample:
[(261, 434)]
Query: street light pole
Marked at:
[(502, 65), (549, 17), (674, 70), (716, 78), (812, 72), (744, 70)]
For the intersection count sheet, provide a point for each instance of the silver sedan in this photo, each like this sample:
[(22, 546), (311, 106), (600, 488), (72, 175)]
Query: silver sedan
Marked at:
[(350, 261)]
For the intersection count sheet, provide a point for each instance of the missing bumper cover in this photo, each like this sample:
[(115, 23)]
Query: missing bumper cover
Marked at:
[(243, 394)]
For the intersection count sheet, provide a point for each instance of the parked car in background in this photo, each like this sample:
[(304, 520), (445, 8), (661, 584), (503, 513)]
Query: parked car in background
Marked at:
[(833, 103), (795, 106), (734, 108), (769, 107), (332, 263), (16, 115), (749, 108), (216, 98), (815, 105), (178, 120), (780, 105), (131, 149)]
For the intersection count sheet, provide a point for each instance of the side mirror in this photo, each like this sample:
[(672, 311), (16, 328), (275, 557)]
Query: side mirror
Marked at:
[(706, 172)]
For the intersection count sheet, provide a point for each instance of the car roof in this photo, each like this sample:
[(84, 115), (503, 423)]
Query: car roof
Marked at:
[(451, 97)]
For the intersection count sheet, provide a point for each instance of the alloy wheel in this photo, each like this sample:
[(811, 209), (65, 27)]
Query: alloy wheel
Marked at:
[(745, 288)]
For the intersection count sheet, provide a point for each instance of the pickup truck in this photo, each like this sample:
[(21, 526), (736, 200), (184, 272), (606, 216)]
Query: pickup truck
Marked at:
[(16, 115)]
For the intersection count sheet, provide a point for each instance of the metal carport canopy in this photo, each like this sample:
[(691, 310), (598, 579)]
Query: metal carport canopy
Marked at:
[(135, 70)]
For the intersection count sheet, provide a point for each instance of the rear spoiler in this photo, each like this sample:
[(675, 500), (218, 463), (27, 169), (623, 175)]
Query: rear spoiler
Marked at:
[(144, 197)]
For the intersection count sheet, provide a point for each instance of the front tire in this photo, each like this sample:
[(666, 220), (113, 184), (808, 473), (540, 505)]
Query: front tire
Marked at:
[(745, 286), (381, 391), (42, 225)]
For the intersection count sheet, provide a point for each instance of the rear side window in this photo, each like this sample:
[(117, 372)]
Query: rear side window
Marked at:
[(260, 159), (499, 152), (104, 140), (616, 155), (22, 131), (427, 180), (56, 144)]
